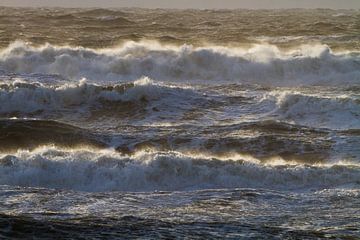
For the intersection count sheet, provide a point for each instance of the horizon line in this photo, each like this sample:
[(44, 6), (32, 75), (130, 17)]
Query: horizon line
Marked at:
[(180, 9)]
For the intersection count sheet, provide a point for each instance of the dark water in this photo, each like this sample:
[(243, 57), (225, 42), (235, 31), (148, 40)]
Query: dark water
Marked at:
[(233, 214), (179, 124)]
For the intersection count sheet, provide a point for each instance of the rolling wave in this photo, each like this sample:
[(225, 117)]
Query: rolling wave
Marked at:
[(109, 171), (159, 101), (318, 110), (21, 97), (260, 64)]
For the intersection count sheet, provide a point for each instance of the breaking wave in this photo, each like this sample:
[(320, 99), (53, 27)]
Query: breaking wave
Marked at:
[(23, 97), (104, 171), (261, 64), (318, 110), (155, 100)]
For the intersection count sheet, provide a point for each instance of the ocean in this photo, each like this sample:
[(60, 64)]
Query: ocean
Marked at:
[(196, 124)]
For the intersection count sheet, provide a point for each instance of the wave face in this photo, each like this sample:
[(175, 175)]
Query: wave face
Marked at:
[(262, 64), (30, 134)]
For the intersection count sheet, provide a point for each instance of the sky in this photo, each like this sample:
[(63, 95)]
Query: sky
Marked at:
[(202, 4)]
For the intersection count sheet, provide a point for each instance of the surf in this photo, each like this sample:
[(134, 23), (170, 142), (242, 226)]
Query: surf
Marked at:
[(260, 64)]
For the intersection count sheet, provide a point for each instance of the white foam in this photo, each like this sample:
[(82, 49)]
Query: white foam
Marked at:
[(20, 96), (146, 171), (337, 110), (262, 64), (317, 110)]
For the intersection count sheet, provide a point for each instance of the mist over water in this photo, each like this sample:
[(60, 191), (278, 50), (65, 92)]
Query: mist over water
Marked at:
[(174, 123)]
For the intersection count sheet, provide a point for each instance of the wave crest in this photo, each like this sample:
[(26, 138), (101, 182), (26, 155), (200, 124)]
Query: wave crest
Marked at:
[(24, 97), (88, 171), (261, 64), (318, 110)]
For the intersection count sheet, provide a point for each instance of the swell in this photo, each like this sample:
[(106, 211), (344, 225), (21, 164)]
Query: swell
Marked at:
[(260, 64), (109, 171), (263, 141), (30, 134)]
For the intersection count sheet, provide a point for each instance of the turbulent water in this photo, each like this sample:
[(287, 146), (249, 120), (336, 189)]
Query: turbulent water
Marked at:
[(173, 124)]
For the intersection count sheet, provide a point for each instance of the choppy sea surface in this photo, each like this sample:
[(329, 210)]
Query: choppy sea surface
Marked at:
[(135, 123)]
